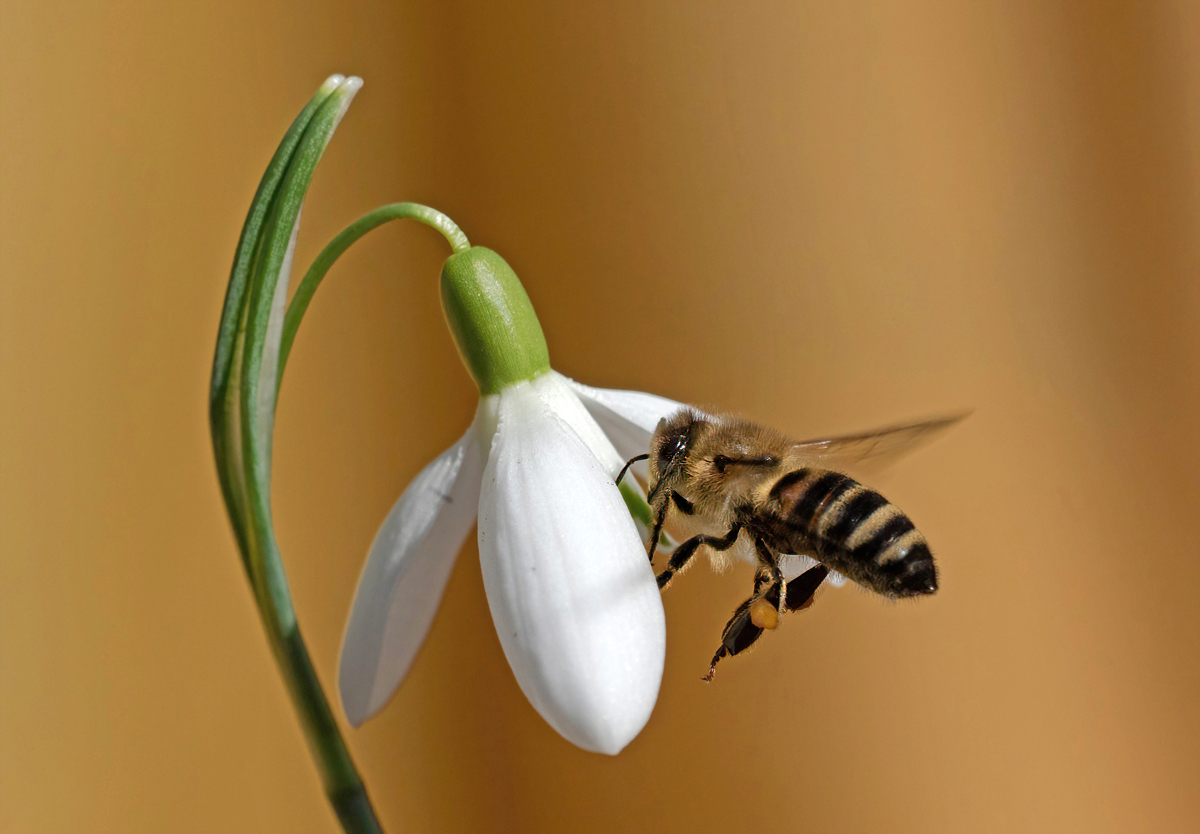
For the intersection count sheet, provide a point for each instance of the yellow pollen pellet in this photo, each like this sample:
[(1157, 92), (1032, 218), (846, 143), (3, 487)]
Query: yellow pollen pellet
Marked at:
[(763, 614)]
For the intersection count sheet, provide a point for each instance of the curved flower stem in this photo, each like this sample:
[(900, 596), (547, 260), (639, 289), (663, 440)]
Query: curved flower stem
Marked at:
[(345, 239)]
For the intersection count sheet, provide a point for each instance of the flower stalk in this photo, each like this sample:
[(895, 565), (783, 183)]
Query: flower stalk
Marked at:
[(345, 239)]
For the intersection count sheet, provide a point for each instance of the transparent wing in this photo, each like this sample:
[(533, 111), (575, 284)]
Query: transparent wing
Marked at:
[(878, 448)]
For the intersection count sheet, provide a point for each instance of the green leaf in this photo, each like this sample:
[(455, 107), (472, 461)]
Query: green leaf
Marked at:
[(242, 398), (226, 445), (263, 331)]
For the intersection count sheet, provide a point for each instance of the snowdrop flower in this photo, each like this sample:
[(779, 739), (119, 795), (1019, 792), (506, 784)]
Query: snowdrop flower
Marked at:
[(572, 595)]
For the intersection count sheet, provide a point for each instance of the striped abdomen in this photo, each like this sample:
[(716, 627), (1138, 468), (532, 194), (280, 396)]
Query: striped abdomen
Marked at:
[(851, 529)]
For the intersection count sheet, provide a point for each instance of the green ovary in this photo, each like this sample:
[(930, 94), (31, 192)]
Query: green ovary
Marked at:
[(495, 328)]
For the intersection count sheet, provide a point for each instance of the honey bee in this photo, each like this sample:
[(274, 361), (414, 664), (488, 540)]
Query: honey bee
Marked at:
[(745, 489)]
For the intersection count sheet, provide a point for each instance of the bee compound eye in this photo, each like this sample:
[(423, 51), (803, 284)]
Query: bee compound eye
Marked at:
[(670, 449)]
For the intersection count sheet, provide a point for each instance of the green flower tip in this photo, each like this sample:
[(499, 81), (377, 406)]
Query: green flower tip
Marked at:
[(495, 329)]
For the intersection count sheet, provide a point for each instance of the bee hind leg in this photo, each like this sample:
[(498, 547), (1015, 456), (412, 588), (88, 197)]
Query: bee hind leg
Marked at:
[(802, 590), (712, 669), (742, 632), (769, 565), (759, 613)]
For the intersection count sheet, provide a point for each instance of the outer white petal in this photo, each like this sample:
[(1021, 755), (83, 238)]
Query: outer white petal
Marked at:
[(574, 600), (405, 575), (627, 417)]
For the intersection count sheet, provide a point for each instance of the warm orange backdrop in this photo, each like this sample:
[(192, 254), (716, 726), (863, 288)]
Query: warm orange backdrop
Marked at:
[(822, 215)]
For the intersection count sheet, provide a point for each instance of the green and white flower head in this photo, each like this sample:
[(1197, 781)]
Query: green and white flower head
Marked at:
[(572, 595)]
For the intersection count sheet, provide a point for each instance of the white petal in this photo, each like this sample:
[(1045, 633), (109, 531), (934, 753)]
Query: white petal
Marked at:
[(405, 575), (574, 600), (627, 417), (559, 396)]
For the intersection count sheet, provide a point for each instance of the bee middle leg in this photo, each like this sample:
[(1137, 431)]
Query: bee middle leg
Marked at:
[(687, 550)]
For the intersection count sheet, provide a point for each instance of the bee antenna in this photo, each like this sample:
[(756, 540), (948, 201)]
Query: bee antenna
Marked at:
[(628, 464)]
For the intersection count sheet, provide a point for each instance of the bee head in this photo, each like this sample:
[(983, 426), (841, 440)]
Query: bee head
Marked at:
[(670, 446)]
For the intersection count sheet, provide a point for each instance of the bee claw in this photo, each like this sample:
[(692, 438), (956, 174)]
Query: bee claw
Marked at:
[(712, 670)]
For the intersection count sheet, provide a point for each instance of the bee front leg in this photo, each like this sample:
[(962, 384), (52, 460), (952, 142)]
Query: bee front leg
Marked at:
[(687, 550), (682, 504), (656, 533)]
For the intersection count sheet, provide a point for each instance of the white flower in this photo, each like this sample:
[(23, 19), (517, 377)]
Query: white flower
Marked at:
[(572, 594)]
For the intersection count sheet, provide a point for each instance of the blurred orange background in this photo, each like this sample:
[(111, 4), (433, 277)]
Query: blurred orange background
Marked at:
[(822, 216)]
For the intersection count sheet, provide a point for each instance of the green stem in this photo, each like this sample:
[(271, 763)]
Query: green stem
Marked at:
[(343, 786), (337, 247)]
